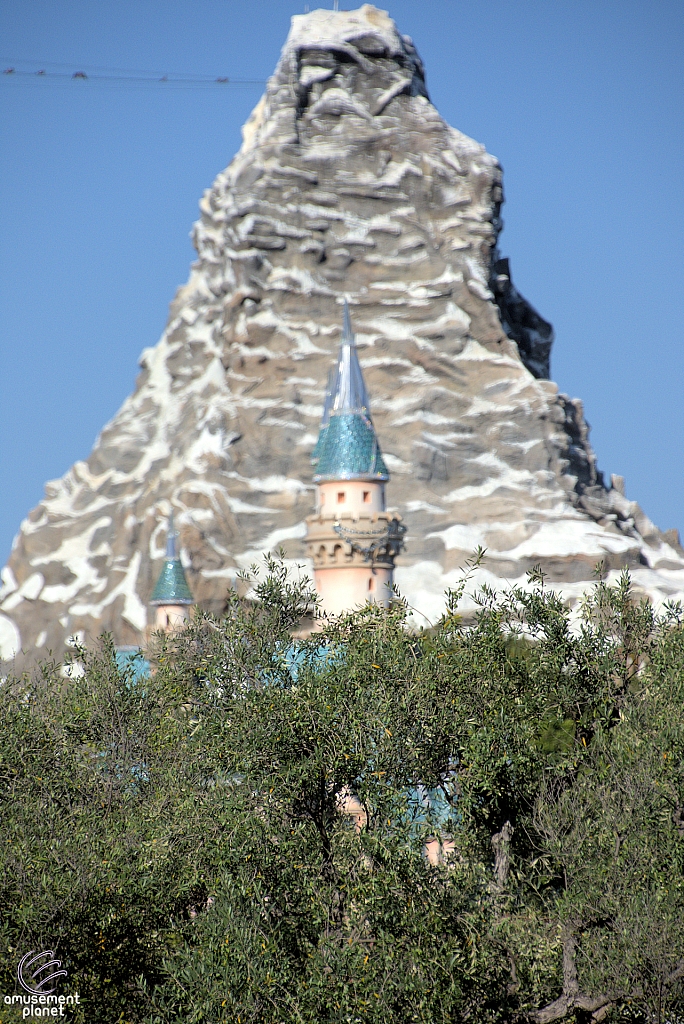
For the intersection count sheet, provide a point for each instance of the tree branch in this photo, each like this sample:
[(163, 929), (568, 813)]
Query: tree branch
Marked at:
[(678, 817), (501, 844), (571, 998), (597, 1006), (676, 974)]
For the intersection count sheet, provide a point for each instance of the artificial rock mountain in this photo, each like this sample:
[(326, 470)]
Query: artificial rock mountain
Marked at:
[(349, 184)]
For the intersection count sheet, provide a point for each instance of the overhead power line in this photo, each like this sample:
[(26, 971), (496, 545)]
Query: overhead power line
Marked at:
[(51, 70)]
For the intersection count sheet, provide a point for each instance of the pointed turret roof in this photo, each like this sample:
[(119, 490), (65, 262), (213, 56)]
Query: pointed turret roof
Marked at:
[(172, 586), (350, 393), (347, 446), (325, 418)]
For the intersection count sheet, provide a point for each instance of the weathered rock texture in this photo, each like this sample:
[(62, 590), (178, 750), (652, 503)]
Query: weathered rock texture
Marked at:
[(348, 184)]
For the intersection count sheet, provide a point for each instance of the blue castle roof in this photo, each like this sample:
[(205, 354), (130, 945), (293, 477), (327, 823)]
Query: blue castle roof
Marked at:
[(347, 446), (172, 586), (350, 451)]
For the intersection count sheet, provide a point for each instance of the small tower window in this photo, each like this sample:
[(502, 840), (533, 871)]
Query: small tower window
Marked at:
[(340, 497), (366, 496), (371, 583)]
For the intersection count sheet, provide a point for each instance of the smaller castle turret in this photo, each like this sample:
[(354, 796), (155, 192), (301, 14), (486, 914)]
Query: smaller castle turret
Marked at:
[(351, 538), (171, 596)]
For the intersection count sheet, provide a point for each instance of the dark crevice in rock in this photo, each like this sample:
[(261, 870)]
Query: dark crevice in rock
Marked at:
[(521, 322)]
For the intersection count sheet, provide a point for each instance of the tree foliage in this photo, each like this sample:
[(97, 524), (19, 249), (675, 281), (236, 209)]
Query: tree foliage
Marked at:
[(183, 843)]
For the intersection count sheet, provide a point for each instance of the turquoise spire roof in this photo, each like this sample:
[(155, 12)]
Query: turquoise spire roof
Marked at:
[(347, 447), (327, 404), (172, 586)]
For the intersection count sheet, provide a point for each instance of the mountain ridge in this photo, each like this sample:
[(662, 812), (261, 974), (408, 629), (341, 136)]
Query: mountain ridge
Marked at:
[(350, 185)]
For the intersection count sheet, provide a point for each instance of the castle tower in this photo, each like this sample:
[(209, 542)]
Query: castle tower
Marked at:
[(171, 596), (351, 538)]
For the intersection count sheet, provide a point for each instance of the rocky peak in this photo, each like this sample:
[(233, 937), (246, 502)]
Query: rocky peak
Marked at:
[(349, 185)]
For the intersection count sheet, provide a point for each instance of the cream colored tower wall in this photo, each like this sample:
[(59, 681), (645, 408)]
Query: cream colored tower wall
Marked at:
[(351, 496), (342, 588), (171, 616)]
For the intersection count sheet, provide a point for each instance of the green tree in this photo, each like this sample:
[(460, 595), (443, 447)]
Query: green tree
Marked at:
[(184, 842)]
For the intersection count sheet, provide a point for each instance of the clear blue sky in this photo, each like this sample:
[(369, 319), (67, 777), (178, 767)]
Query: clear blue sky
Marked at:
[(582, 101)]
